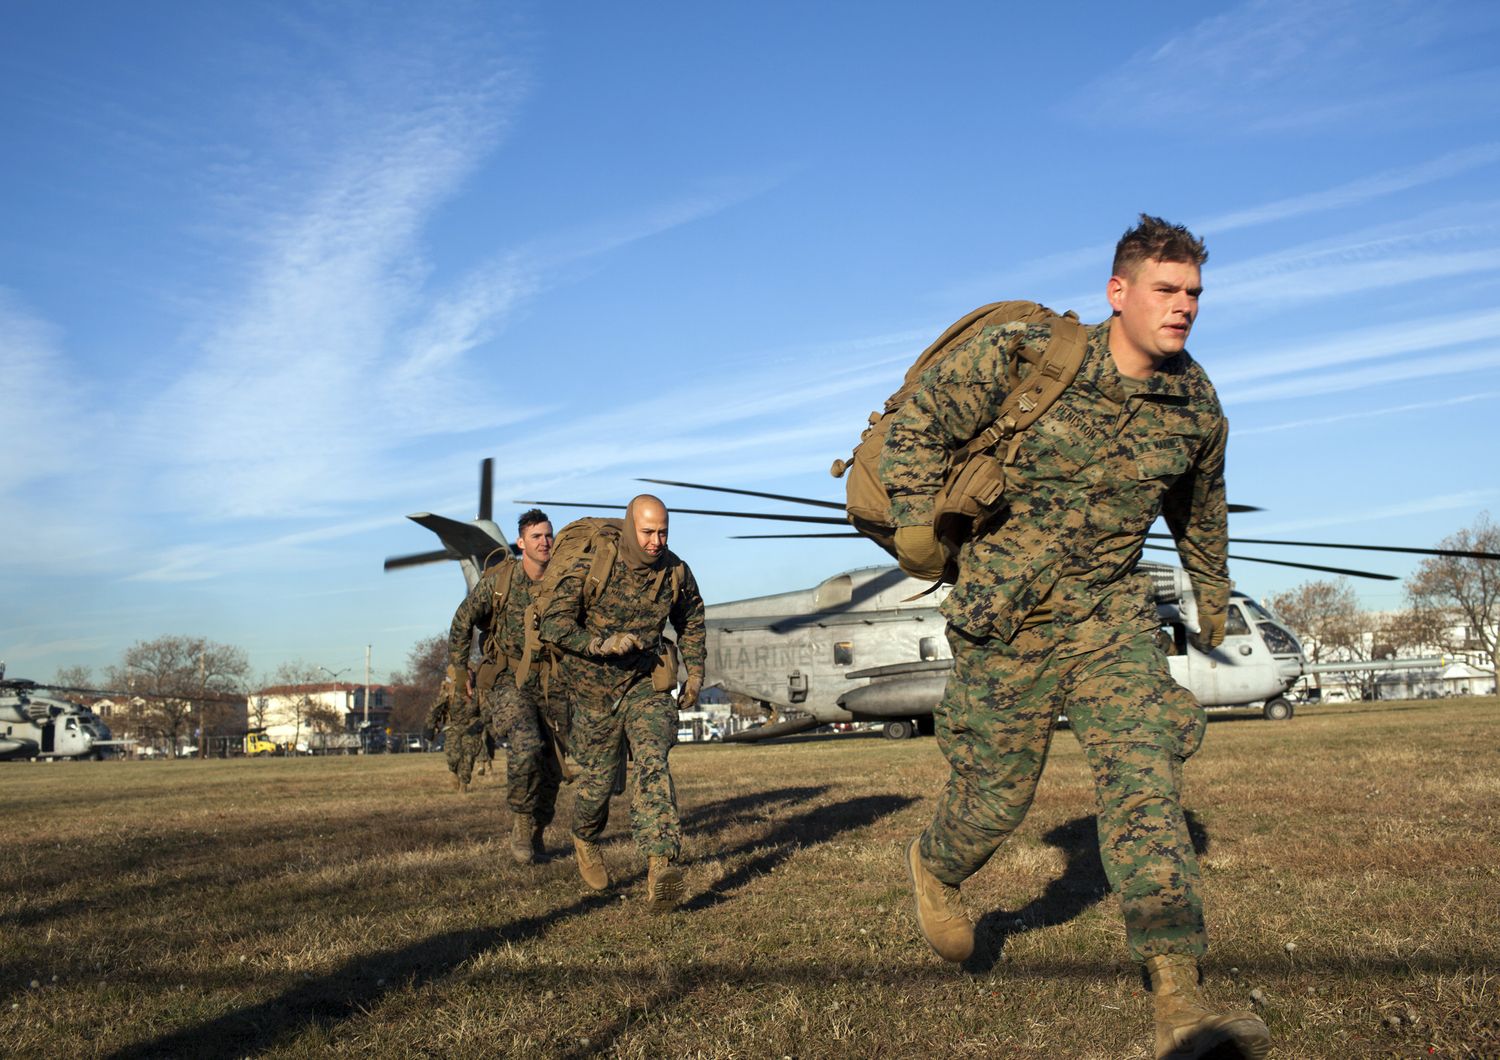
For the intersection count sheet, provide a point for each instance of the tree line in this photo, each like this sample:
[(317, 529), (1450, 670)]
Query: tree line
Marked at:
[(1452, 606), (162, 691)]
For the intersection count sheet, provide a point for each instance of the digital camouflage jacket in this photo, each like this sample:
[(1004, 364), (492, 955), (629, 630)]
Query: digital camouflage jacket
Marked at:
[(503, 630), (639, 602), (1090, 478)]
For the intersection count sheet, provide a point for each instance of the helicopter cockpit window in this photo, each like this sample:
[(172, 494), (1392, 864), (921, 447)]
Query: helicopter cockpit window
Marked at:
[(1260, 614), (927, 648), (72, 725), (843, 653), (1235, 624), (1278, 640)]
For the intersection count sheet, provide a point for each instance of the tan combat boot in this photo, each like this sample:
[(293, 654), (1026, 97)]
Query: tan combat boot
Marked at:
[(521, 827), (663, 884), (940, 913), (590, 865), (1186, 1028)]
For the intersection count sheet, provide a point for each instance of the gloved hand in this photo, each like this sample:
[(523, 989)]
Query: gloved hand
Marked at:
[(920, 553), (1210, 631), (687, 699), (615, 644)]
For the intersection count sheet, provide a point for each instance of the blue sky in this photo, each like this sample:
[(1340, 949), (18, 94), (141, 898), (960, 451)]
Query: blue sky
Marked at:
[(274, 275)]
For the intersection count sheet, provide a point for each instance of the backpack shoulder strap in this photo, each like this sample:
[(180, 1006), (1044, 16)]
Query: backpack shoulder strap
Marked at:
[(601, 563), (1042, 386)]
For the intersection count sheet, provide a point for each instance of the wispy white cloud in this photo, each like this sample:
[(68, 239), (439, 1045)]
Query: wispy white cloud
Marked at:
[(1410, 251), (42, 403), (1360, 344), (1268, 65), (1315, 385), (1032, 274), (1385, 413), (1355, 192), (1443, 502)]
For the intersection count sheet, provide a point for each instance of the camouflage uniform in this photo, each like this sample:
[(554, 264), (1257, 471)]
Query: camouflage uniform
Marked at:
[(531, 770), (612, 697), (1049, 615)]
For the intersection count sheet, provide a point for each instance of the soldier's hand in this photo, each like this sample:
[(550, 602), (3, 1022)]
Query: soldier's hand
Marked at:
[(687, 699), (615, 644), (920, 553), (1210, 631)]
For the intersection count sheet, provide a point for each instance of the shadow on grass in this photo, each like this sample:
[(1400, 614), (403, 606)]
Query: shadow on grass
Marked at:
[(1082, 885), (734, 810), (349, 990), (817, 825), (358, 984)]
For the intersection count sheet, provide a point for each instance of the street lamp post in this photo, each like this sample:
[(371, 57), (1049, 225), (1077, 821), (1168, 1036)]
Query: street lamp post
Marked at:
[(334, 677)]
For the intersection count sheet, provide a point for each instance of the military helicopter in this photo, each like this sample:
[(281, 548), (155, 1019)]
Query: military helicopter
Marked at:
[(858, 647), (469, 543), (34, 725), (868, 644)]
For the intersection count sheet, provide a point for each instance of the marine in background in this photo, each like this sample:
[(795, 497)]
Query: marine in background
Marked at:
[(619, 673), (1049, 613), (496, 606)]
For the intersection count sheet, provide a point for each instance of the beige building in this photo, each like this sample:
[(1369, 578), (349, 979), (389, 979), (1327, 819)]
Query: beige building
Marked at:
[(289, 714)]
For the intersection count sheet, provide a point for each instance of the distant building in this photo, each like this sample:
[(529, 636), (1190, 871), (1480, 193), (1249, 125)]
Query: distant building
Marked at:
[(288, 712)]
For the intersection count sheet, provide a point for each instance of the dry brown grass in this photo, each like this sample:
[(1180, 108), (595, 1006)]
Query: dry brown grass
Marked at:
[(358, 906)]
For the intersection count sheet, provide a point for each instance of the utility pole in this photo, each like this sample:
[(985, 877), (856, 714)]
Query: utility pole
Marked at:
[(367, 686)]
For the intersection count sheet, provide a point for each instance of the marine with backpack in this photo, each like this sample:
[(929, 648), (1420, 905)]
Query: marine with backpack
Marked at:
[(515, 711), (596, 630), (1025, 460)]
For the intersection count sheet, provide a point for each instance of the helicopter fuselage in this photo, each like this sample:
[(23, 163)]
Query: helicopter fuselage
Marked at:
[(865, 645)]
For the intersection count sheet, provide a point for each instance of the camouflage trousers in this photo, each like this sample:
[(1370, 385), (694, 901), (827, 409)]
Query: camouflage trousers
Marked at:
[(464, 741), (600, 726), (532, 771), (1136, 726)]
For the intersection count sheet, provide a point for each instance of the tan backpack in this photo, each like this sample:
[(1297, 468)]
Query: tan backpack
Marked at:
[(595, 538), (975, 478)]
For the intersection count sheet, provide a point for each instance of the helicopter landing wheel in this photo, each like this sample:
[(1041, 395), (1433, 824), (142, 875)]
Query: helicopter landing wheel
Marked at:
[(1278, 709), (898, 730)]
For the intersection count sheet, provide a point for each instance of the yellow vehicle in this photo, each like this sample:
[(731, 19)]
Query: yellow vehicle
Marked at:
[(257, 744)]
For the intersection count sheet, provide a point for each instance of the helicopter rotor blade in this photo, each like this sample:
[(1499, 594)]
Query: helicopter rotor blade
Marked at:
[(1300, 566), (416, 559), (747, 493), (1458, 553), (783, 537), (487, 488), (821, 504), (818, 519)]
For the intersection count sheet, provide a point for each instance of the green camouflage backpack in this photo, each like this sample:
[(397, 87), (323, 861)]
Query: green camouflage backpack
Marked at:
[(975, 478)]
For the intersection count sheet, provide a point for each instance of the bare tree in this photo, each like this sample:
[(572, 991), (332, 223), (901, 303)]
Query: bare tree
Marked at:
[(298, 683), (1333, 629), (73, 677), (414, 689), (178, 678), (1325, 615), (1458, 600)]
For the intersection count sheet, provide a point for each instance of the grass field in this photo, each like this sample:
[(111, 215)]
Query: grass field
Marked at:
[(359, 906)]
